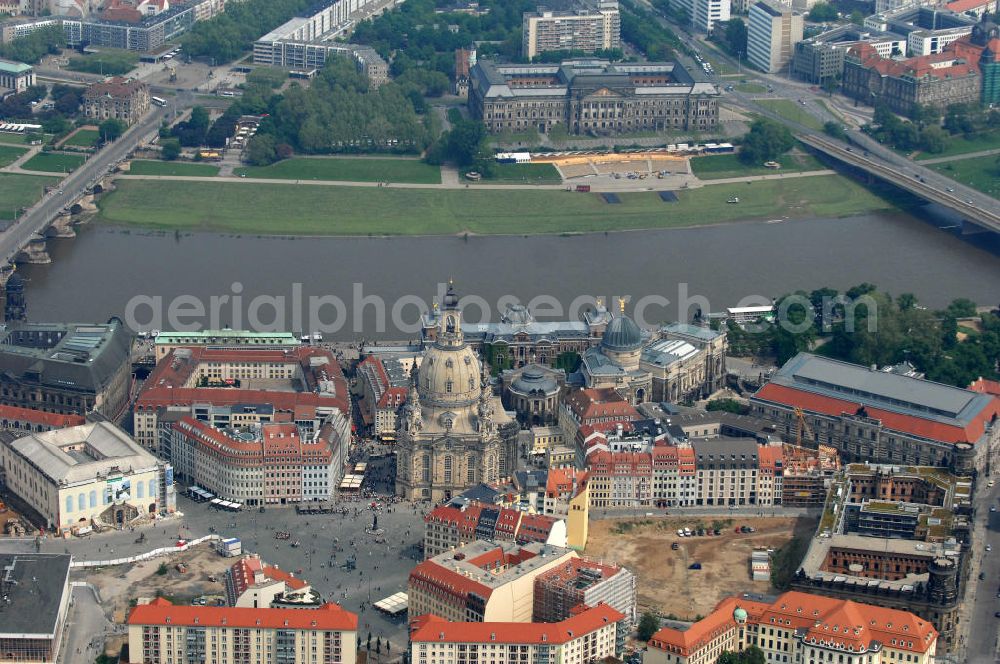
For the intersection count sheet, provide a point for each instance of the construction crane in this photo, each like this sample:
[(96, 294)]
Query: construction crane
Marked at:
[(802, 427)]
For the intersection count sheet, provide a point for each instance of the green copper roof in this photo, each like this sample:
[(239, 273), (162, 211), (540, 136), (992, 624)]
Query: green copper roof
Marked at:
[(14, 67)]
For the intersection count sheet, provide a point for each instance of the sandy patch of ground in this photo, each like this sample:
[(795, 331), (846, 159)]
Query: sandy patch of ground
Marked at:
[(119, 585), (665, 583)]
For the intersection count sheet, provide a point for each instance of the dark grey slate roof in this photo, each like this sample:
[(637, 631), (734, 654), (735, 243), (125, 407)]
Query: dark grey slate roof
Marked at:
[(33, 584), (70, 356)]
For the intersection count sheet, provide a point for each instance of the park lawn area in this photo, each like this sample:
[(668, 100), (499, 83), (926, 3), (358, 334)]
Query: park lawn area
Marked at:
[(980, 173), (151, 167), (54, 162), (288, 209), (19, 139), (717, 167), (9, 154), (347, 170), (17, 191), (792, 111), (84, 138), (751, 87), (956, 145), (523, 173), (109, 62)]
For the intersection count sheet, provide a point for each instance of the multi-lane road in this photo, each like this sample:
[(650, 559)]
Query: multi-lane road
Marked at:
[(41, 214), (980, 640)]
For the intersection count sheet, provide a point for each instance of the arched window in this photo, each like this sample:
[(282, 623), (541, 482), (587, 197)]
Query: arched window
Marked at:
[(81, 502), (152, 488), (69, 503), (426, 466), (93, 499), (140, 490), (447, 469)]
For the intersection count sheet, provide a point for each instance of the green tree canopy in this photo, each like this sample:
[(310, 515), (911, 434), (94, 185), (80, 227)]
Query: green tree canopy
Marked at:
[(170, 150), (111, 129), (823, 12), (649, 624), (766, 141)]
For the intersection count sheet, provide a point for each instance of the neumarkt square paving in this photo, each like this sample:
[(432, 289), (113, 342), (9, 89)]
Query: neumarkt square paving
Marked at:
[(382, 558)]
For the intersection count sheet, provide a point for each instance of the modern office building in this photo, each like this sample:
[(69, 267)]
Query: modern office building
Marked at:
[(704, 14), (160, 632), (799, 627), (771, 37), (594, 25), (146, 33), (307, 42), (821, 58), (593, 635), (593, 97), (66, 368), (92, 475), (928, 30), (117, 98), (880, 416), (36, 599), (22, 27)]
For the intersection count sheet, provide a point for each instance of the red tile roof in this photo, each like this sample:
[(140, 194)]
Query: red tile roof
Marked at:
[(117, 86), (15, 414), (843, 623), (910, 424), (447, 581), (981, 384), (564, 481), (961, 6), (597, 405), (245, 571), (770, 457), (945, 64), (325, 385), (161, 612), (433, 629)]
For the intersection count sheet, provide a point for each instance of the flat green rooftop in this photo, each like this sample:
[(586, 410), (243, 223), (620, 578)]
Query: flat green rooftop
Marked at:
[(11, 67), (208, 335)]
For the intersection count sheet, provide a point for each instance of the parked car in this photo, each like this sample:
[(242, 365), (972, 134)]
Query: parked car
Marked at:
[(694, 566), (675, 546)]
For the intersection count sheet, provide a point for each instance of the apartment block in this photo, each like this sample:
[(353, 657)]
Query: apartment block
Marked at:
[(593, 26), (592, 635), (160, 632)]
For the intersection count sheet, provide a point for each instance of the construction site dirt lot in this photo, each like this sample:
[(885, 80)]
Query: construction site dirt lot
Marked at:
[(665, 583), (121, 584)]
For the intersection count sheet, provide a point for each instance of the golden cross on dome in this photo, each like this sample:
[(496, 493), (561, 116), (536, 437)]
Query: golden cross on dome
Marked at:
[(621, 304)]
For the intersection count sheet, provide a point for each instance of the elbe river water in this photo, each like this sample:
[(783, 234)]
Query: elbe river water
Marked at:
[(103, 270)]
